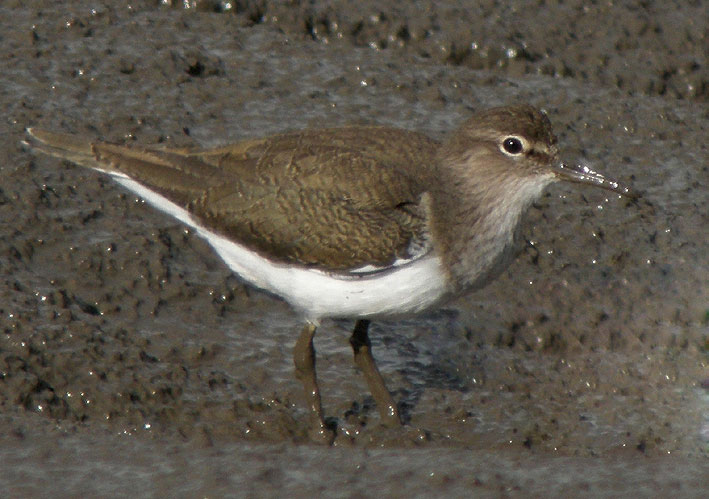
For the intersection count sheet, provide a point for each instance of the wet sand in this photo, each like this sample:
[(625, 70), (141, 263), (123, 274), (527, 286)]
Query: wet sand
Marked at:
[(133, 362)]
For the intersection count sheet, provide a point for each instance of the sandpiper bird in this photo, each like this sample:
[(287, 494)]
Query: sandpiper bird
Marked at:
[(359, 222)]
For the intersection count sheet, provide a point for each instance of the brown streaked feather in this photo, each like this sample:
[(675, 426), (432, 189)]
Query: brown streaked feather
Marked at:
[(296, 197)]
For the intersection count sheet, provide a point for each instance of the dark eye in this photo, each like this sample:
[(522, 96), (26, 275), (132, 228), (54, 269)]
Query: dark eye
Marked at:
[(512, 145)]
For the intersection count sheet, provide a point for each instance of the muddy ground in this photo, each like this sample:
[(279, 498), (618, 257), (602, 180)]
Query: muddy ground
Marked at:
[(133, 362)]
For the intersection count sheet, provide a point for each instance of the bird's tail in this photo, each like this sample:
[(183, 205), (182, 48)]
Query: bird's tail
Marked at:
[(173, 173), (63, 145)]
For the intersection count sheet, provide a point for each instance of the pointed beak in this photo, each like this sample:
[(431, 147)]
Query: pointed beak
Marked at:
[(584, 175)]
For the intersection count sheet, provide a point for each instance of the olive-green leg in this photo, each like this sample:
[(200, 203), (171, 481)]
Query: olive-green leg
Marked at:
[(363, 358), (304, 359)]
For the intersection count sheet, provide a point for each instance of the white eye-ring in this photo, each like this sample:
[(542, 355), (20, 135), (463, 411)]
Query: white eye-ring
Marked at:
[(513, 145)]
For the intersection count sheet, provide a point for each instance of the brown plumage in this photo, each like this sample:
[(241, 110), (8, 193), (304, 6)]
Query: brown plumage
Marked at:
[(276, 194)]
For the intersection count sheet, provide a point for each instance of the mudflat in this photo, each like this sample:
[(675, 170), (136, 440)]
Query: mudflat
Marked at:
[(132, 360)]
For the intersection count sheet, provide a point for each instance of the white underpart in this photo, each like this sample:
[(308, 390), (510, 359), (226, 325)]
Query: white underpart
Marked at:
[(368, 269), (400, 290)]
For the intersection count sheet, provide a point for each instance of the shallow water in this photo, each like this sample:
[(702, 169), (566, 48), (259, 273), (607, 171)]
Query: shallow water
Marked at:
[(131, 360)]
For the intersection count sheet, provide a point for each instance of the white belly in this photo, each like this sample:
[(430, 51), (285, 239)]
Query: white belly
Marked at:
[(401, 290)]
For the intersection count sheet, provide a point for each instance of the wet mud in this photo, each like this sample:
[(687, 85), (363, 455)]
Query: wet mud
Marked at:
[(133, 361)]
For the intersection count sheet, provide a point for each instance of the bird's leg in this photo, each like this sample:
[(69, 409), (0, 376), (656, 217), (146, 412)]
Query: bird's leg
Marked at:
[(304, 359), (363, 358)]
